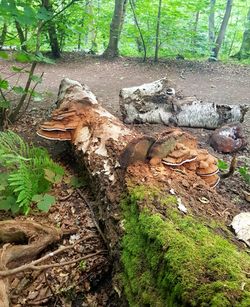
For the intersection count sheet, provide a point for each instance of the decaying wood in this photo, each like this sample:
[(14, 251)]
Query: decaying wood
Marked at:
[(158, 102), (118, 158), (31, 238)]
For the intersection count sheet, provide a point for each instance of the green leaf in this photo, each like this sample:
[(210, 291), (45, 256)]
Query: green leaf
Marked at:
[(49, 175), (37, 97), (41, 58), (3, 181), (22, 57), (4, 84), (244, 172), (37, 79), (18, 89), (45, 204), (43, 14), (17, 69), (36, 198), (7, 203), (222, 165), (77, 182), (4, 104), (4, 55), (15, 208)]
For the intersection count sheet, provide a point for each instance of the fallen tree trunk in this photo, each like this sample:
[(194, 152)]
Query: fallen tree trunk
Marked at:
[(165, 225), (159, 103)]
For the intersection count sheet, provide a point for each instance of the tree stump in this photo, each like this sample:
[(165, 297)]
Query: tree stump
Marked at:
[(165, 224)]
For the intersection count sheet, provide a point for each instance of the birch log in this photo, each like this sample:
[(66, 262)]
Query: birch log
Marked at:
[(156, 216), (159, 103)]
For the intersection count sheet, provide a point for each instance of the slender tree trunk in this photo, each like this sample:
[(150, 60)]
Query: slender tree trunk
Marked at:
[(197, 16), (244, 52), (158, 31), (222, 31), (211, 22), (132, 4), (93, 28), (233, 39), (54, 44), (21, 36), (79, 41), (112, 50), (3, 35)]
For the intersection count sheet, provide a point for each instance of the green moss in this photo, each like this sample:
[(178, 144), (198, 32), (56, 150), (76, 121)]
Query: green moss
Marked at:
[(173, 260)]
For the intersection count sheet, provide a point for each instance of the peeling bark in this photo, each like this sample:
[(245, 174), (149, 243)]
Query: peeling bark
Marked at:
[(158, 103)]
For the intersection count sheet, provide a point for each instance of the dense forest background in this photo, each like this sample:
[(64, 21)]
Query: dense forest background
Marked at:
[(140, 28)]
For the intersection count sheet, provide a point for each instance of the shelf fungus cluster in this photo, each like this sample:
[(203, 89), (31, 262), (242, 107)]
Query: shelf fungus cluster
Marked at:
[(63, 125), (184, 153), (177, 150)]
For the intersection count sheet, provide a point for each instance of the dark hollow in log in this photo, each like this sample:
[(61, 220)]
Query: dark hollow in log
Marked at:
[(159, 103), (164, 221)]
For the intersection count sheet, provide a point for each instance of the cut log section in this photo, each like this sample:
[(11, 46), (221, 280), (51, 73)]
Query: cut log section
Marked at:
[(139, 183), (159, 103)]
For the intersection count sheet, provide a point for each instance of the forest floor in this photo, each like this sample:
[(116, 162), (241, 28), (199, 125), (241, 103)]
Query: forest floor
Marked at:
[(210, 82)]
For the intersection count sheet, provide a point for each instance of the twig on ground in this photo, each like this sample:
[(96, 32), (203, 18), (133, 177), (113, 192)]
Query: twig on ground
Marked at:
[(63, 198), (32, 265), (93, 216)]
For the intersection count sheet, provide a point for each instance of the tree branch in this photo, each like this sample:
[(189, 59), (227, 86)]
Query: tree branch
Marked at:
[(33, 267)]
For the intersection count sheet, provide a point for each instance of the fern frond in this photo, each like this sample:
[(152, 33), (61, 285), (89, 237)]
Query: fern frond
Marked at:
[(12, 148), (27, 166), (23, 184)]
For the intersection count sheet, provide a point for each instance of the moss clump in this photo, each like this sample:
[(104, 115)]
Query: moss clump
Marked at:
[(171, 260)]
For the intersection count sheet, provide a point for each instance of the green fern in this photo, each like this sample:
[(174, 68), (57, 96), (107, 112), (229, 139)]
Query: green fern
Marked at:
[(30, 169)]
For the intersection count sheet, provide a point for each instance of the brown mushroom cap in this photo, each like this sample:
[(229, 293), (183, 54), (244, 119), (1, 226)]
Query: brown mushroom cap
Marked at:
[(191, 166), (55, 135), (62, 125), (180, 155), (212, 181), (208, 171)]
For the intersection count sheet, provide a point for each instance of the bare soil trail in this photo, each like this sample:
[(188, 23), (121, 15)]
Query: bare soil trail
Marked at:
[(212, 82)]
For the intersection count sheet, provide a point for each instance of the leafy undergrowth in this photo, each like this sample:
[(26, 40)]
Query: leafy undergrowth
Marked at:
[(28, 173), (173, 260)]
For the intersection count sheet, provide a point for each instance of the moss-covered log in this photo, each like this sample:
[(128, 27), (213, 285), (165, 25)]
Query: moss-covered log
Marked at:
[(162, 256), (175, 260)]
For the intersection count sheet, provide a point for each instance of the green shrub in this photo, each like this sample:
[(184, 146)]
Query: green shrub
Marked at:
[(28, 171)]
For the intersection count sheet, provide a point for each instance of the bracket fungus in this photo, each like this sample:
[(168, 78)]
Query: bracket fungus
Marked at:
[(174, 149)]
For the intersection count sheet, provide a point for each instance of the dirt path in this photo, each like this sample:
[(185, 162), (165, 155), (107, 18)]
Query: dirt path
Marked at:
[(212, 82)]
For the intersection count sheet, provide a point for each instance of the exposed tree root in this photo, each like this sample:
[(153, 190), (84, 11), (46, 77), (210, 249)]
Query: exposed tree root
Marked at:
[(31, 238)]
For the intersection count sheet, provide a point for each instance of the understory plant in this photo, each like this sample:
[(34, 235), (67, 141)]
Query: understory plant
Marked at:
[(15, 98), (27, 173), (242, 170)]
